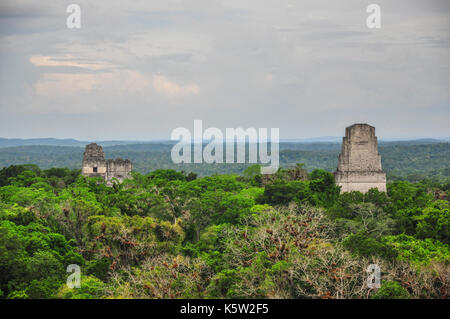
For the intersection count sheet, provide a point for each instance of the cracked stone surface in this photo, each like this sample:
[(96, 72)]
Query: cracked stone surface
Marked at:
[(359, 167), (95, 165)]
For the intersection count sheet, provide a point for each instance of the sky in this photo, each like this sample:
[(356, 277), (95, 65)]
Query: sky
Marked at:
[(137, 70)]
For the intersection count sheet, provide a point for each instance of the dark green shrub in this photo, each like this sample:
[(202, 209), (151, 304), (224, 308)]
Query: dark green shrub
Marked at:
[(391, 290)]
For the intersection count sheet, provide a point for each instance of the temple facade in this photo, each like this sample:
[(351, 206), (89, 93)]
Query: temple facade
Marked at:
[(95, 165), (359, 166)]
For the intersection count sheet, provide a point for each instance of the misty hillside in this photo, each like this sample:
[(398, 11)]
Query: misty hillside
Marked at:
[(407, 159)]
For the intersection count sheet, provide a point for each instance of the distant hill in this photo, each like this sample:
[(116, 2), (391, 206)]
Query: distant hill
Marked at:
[(324, 142), (411, 160), (321, 139), (11, 142)]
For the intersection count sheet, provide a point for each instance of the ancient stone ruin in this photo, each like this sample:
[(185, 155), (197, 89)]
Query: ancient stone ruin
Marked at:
[(95, 165), (359, 167)]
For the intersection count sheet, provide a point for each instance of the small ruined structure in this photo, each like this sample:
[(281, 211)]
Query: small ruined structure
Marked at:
[(359, 167), (95, 165)]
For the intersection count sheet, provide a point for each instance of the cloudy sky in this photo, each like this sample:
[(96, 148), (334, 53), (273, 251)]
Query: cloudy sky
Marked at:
[(139, 69)]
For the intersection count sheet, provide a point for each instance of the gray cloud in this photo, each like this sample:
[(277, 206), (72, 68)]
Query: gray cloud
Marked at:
[(140, 69)]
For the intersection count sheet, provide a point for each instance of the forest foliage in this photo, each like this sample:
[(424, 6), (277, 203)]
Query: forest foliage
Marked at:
[(170, 234), (402, 160)]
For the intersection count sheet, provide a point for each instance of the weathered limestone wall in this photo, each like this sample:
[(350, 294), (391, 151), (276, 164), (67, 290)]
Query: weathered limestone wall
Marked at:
[(94, 159), (359, 167), (118, 168), (95, 165)]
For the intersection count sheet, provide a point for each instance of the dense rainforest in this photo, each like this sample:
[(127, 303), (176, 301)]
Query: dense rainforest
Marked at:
[(402, 160), (171, 234)]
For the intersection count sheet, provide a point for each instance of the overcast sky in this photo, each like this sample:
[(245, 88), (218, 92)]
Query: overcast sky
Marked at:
[(139, 69)]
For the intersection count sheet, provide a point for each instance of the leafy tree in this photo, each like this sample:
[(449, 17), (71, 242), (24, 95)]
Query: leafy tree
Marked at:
[(253, 174), (282, 192), (8, 174), (362, 245), (405, 195), (391, 290), (323, 186), (168, 234), (33, 260), (418, 251), (90, 288), (435, 222)]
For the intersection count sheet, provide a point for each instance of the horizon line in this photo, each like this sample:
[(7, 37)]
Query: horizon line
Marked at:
[(289, 139)]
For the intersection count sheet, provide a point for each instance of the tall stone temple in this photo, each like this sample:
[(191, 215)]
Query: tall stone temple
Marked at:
[(95, 165), (359, 167)]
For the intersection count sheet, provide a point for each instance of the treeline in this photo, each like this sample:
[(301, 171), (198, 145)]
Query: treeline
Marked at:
[(170, 234), (408, 161)]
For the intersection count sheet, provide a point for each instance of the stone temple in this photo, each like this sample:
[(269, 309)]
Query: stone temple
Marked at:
[(95, 165), (359, 167)]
